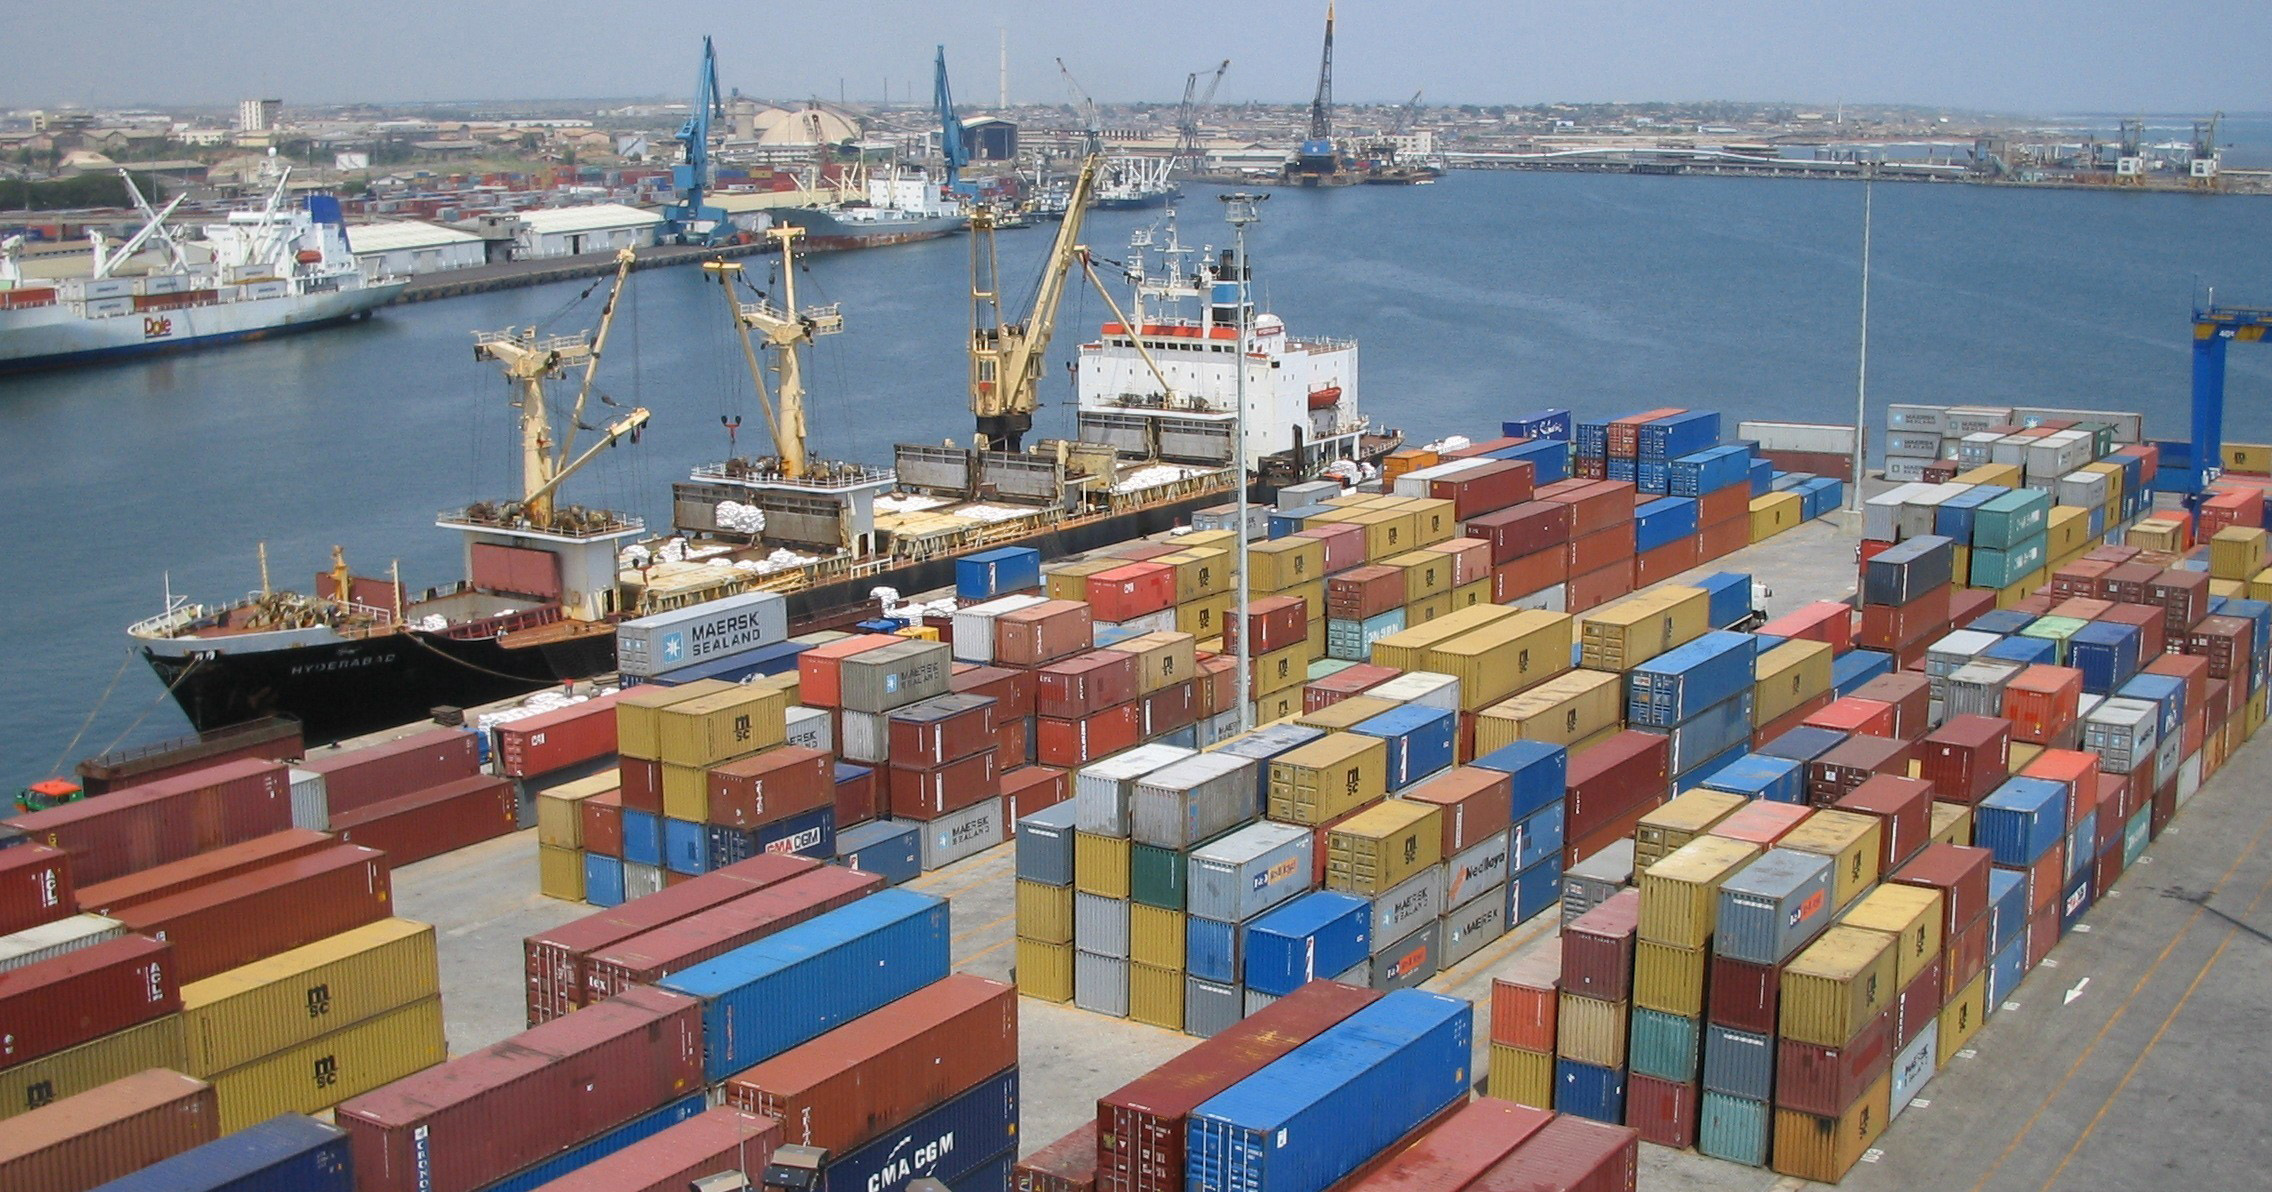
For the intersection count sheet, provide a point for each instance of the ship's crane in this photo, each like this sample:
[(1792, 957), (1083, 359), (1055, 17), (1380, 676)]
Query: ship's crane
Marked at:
[(785, 329), (691, 220), (953, 150), (1187, 151), (1006, 357)]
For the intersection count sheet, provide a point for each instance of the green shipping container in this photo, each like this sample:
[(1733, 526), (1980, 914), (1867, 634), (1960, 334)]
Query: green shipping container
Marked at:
[(2058, 629), (2003, 568), (1155, 876), (2007, 523)]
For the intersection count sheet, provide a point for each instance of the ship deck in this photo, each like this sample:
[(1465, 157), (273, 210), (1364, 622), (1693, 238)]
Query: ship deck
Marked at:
[(2130, 1060)]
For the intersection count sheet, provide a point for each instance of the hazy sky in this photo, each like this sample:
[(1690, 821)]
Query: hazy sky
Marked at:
[(2003, 55)]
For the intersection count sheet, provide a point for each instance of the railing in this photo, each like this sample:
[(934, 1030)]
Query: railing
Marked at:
[(817, 320), (169, 622), (835, 477), (550, 343), (571, 523)]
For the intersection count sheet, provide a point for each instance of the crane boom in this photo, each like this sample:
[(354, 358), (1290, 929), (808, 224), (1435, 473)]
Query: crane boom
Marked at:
[(952, 149), (1321, 105), (1006, 357), (692, 180)]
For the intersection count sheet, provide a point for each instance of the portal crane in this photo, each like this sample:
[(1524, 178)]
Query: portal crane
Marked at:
[(1320, 142), (785, 329), (953, 150), (2213, 327), (1091, 123), (1187, 151), (2203, 170), (691, 220), (1006, 357)]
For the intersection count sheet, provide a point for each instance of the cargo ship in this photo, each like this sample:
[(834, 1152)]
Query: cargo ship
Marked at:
[(276, 269), (899, 208), (1135, 183)]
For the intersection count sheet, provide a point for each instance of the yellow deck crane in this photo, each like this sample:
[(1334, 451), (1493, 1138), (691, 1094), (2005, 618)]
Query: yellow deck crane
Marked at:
[(785, 329), (1006, 357)]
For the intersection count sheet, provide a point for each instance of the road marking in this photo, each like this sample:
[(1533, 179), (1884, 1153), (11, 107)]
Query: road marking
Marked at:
[(983, 927), (2049, 962), (2080, 929), (2077, 991), (990, 948)]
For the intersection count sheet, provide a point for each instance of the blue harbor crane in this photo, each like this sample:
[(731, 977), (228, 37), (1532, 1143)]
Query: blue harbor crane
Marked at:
[(690, 220), (953, 150), (2202, 460), (1319, 161)]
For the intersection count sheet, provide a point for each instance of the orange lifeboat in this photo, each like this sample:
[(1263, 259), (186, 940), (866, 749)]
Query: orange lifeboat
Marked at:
[(1325, 398), (309, 256)]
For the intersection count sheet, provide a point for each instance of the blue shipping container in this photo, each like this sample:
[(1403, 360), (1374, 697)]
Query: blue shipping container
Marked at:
[(1211, 949), (2002, 620), (1856, 667), (1762, 477), (1682, 682), (2106, 653), (810, 834), (1727, 596), (1699, 739), (1549, 458), (603, 880), (1663, 521), (2007, 906), (1316, 1114), (2082, 843), (1738, 1063), (891, 849), (2165, 692), (2021, 820), (1664, 1045), (998, 572), (642, 837), (1590, 1091), (1690, 780), (1622, 469), (2007, 967), (1679, 434), (2075, 901), (1802, 744), (600, 1146), (1421, 741), (1591, 440), (1534, 890), (1538, 836), (1733, 1128), (1821, 496), (1761, 776), (1539, 771), (1318, 934), (944, 1144), (2026, 650), (1711, 470), (1952, 519), (288, 1153), (764, 998), (1652, 476), (1539, 424), (1290, 521), (686, 846)]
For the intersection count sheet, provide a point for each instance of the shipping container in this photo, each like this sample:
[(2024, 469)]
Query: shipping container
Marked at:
[(1774, 906), (108, 1132), (1318, 934), (164, 820), (1597, 949), (1246, 872), (699, 633), (293, 997), (679, 945), (290, 1152), (671, 1159), (242, 919), (974, 1135), (427, 823), (354, 778)]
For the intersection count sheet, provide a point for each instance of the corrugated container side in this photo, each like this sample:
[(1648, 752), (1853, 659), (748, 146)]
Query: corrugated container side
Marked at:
[(108, 1132), (316, 1075), (292, 1152), (708, 1143), (153, 1044), (287, 999)]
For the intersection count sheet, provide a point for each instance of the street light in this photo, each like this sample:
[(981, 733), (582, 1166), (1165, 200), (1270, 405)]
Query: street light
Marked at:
[(1862, 370), (1240, 208)]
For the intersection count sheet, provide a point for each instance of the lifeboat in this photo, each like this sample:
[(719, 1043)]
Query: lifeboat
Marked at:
[(1325, 398)]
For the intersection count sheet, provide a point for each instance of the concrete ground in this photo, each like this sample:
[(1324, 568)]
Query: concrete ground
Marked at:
[(2131, 1060)]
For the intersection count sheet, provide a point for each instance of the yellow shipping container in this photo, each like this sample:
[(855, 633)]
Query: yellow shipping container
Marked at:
[(1523, 1077), (1835, 985), (1432, 609), (686, 792), (1432, 520), (1387, 531), (1325, 779), (314, 1076), (1277, 705), (1669, 980), (1045, 971), (2248, 457), (1281, 669), (2155, 534), (1680, 895), (1952, 823), (1155, 996), (74, 1070), (1961, 1018), (1773, 514), (2011, 596), (1911, 915), (1560, 711), (2021, 753), (1100, 865), (2236, 552), (1201, 572), (1961, 568), (1347, 713), (559, 809), (1668, 828), (1409, 459), (1070, 581), (1470, 595), (1203, 618), (1854, 843), (2231, 589), (787, 683), (1629, 632), (1502, 658), (1590, 1030), (1787, 676), (1312, 596), (1426, 573), (1284, 563), (638, 715), (1372, 851), (1045, 912), (1226, 541), (1406, 649), (1823, 1149), (1155, 937), (727, 724), (2069, 529), (2002, 475), (1163, 659), (560, 872), (2113, 474), (295, 996)]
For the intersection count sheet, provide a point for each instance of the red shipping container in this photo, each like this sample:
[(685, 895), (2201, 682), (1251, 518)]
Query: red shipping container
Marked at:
[(1075, 687), (1597, 949), (888, 1067), (603, 823), (1790, 720), (1576, 849), (1013, 741), (428, 823), (558, 739), (108, 1132), (1471, 559), (1011, 690), (1476, 1136), (2073, 770), (1854, 714), (1726, 506), (483, 1116), (2081, 608), (192, 872), (1028, 789), (2113, 552), (1917, 1005), (1904, 808), (256, 915), (86, 994), (1851, 762), (1270, 623), (35, 887), (353, 778), (1216, 690), (929, 794), (2240, 507), (1066, 1165), (1964, 956), (2041, 701), (855, 795), (2192, 668), (718, 1140), (2046, 878), (771, 786), (1528, 574), (1626, 771), (1624, 434), (2224, 641), (1743, 995), (1364, 1171), (1760, 822), (1570, 1154), (1495, 485), (1596, 588), (2183, 595), (1344, 544), (1343, 683), (1583, 467), (165, 820), (1166, 710), (1967, 605), (1360, 594), (1140, 1126), (2152, 623), (1960, 873), (1665, 562), (270, 740), (1599, 548), (553, 961), (641, 784), (2126, 583), (1891, 627), (1825, 1080), (1595, 505), (1661, 1111), (677, 946), (1070, 743), (1477, 804), (1525, 1000), (1135, 590), (1966, 758), (820, 670), (1525, 529)]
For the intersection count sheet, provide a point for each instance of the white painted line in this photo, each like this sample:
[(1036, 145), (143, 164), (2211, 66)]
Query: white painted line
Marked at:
[(2082, 929), (1968, 1053), (2011, 1005), (2049, 962), (1919, 1103), (2077, 991)]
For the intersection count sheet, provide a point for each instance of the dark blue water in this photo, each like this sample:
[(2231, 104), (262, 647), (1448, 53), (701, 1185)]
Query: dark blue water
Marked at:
[(1481, 296)]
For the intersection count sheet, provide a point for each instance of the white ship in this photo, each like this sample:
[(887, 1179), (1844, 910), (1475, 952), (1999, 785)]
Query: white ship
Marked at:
[(899, 207), (277, 269)]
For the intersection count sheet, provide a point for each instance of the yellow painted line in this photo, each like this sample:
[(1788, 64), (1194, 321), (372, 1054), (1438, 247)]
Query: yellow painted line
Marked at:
[(2120, 1010), (983, 927), (2155, 1041), (988, 948), (990, 871)]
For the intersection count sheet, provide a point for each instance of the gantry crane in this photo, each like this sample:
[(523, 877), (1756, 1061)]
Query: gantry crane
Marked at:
[(2213, 327), (785, 329), (1006, 357)]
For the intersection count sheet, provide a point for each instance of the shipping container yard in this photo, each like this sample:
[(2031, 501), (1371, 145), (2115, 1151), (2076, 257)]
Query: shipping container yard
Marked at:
[(1619, 810)]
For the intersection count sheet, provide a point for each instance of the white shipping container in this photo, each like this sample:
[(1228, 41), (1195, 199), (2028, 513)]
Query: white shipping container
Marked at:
[(700, 633), (2054, 456), (1183, 803), (1162, 621), (641, 880), (2129, 426), (1954, 650), (1977, 448), (1415, 483), (1554, 598), (2086, 490), (867, 736), (52, 939), (974, 626), (1102, 790), (310, 807), (1308, 493), (1913, 444), (964, 833), (2011, 449), (1907, 469), (1922, 509), (1910, 417), (1415, 900), (1977, 688), (1800, 436), (1881, 514), (1960, 421), (1425, 688), (811, 728)]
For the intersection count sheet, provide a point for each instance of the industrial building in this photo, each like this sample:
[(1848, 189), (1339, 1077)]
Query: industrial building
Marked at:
[(413, 248), (572, 231)]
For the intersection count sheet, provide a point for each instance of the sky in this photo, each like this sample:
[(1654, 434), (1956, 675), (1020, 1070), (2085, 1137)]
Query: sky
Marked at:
[(2007, 56)]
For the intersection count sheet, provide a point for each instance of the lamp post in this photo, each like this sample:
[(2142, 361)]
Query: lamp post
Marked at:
[(1241, 209), (1862, 370)]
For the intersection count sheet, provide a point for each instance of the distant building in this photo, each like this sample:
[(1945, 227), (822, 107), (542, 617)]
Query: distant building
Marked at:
[(990, 138), (573, 231), (412, 248), (258, 115)]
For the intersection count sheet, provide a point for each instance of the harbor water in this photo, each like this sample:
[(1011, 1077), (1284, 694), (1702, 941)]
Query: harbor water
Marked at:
[(1478, 297)]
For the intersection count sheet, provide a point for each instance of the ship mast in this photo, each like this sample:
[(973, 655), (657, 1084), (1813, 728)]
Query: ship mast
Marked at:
[(785, 329), (529, 362)]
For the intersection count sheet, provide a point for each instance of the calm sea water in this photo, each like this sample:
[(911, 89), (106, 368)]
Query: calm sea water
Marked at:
[(1480, 297)]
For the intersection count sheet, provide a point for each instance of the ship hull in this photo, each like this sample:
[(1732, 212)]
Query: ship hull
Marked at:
[(1158, 198), (826, 232), (57, 337)]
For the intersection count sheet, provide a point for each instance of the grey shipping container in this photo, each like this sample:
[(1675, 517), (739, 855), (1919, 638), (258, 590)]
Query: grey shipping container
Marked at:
[(1594, 880), (867, 736), (1100, 983), (1045, 846), (1265, 743), (1913, 1068), (964, 833), (1467, 928), (1185, 802), (1308, 493), (1210, 1008), (1479, 871), (1911, 417), (1913, 444), (56, 937), (1773, 906), (809, 728), (1415, 900), (1248, 872), (974, 626), (893, 676), (641, 880), (700, 633), (1103, 790), (1738, 1063), (1100, 925), (1409, 961), (311, 807)]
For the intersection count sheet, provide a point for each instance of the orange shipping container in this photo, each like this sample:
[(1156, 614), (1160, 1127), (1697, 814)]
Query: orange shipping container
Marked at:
[(818, 668)]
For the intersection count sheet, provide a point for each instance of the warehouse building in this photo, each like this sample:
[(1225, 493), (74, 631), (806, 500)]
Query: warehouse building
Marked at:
[(412, 248), (573, 231)]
